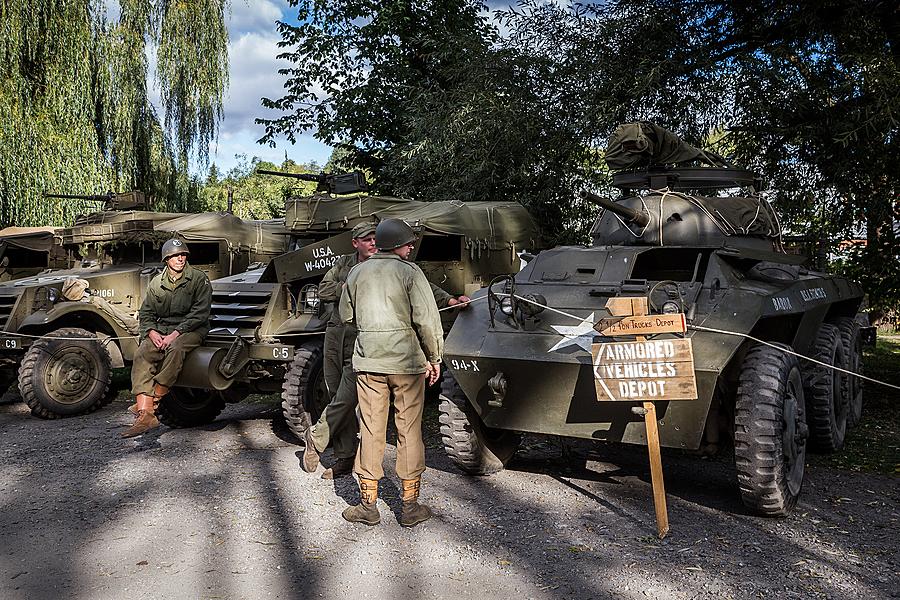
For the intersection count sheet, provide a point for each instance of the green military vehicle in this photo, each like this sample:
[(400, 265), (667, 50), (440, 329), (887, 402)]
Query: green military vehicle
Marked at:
[(27, 251), (525, 360), (267, 327), (65, 329)]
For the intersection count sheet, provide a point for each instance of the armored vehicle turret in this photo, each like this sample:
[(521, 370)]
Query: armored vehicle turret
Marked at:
[(267, 327), (64, 329), (701, 241)]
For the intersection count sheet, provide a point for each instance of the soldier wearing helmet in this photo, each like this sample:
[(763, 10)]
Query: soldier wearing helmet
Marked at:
[(174, 319), (337, 423), (398, 346)]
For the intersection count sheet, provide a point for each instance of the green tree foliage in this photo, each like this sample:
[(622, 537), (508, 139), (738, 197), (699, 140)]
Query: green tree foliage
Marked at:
[(256, 196), (417, 94), (74, 109), (438, 104)]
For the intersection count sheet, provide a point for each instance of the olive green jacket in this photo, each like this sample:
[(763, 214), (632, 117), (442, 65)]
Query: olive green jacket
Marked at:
[(333, 283), (399, 328), (183, 305)]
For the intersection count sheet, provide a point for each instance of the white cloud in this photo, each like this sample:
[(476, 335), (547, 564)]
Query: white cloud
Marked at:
[(257, 16), (252, 48)]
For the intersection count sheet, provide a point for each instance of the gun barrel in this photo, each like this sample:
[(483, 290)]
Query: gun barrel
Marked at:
[(94, 197), (629, 214), (303, 176)]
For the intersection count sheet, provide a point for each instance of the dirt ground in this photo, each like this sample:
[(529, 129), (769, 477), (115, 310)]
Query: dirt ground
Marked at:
[(225, 511)]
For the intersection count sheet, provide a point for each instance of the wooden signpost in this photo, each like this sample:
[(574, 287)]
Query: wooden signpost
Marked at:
[(644, 371)]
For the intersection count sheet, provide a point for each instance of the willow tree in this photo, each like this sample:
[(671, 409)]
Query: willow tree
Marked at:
[(75, 109)]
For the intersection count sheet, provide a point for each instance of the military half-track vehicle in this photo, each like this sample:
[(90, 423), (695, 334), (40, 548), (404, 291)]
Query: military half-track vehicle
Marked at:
[(522, 362), (26, 251), (267, 327), (64, 330)]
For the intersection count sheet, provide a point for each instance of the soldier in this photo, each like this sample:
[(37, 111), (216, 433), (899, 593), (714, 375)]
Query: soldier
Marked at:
[(398, 346), (338, 422), (174, 319)]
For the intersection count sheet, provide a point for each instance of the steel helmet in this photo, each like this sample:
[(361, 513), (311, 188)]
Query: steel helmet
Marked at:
[(173, 247), (393, 233)]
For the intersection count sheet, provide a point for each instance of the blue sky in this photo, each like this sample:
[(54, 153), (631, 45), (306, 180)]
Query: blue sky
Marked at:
[(252, 50)]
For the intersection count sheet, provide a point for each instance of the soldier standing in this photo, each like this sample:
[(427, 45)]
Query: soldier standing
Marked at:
[(398, 346), (338, 422), (174, 319)]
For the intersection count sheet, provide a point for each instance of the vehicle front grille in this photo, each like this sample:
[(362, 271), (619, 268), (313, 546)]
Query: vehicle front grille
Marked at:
[(238, 312), (7, 304)]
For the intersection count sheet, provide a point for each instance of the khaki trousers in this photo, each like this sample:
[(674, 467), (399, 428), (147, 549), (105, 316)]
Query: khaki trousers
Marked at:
[(161, 366), (338, 422), (375, 394)]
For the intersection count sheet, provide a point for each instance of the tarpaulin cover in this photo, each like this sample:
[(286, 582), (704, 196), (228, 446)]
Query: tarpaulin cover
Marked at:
[(121, 216), (640, 145), (37, 239), (494, 224), (264, 237)]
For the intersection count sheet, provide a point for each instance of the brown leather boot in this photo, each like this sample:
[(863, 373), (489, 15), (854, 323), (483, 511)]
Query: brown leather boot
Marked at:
[(310, 460), (146, 419), (133, 409), (365, 512), (412, 512), (343, 466), (159, 391)]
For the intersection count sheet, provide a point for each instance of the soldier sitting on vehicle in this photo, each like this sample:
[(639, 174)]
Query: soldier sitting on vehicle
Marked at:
[(338, 422), (174, 319)]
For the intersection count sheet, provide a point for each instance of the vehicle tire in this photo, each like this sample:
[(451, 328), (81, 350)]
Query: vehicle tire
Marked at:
[(304, 394), (770, 431), (827, 392), (473, 447), (189, 407), (851, 339), (62, 377)]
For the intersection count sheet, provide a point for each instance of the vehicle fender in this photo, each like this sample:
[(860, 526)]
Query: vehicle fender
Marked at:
[(301, 324), (77, 314)]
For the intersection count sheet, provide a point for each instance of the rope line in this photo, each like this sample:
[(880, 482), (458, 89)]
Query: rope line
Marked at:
[(725, 332), (797, 354)]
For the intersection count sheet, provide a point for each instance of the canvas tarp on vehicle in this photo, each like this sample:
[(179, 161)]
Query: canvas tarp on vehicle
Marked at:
[(36, 239), (640, 145), (495, 224), (261, 237)]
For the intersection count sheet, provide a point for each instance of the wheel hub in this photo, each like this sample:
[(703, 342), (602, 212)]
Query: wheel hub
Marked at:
[(794, 436), (70, 376)]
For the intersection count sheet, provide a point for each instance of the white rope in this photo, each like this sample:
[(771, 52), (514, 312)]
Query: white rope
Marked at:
[(744, 335), (787, 351), (104, 339)]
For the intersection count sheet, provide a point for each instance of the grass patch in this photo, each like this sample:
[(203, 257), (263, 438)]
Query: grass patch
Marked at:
[(874, 444)]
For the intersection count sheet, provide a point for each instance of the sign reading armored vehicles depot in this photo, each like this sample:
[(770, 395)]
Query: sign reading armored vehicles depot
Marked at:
[(642, 371)]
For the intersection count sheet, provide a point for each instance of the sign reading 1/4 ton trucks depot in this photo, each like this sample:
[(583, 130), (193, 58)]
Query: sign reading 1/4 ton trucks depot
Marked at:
[(643, 371)]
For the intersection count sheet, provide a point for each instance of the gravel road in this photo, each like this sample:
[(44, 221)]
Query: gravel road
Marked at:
[(224, 511)]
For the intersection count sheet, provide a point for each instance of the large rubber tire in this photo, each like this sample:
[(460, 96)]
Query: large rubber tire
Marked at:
[(473, 447), (304, 394), (851, 339), (62, 377), (827, 392), (770, 431), (189, 407)]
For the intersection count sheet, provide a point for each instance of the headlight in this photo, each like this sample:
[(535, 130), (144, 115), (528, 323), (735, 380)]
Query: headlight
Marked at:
[(52, 295), (309, 298), (671, 308), (506, 306)]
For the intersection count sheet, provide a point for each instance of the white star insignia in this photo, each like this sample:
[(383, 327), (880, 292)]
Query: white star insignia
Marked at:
[(580, 335)]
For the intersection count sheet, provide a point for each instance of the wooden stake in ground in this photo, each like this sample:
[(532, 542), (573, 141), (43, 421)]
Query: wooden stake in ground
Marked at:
[(644, 371)]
